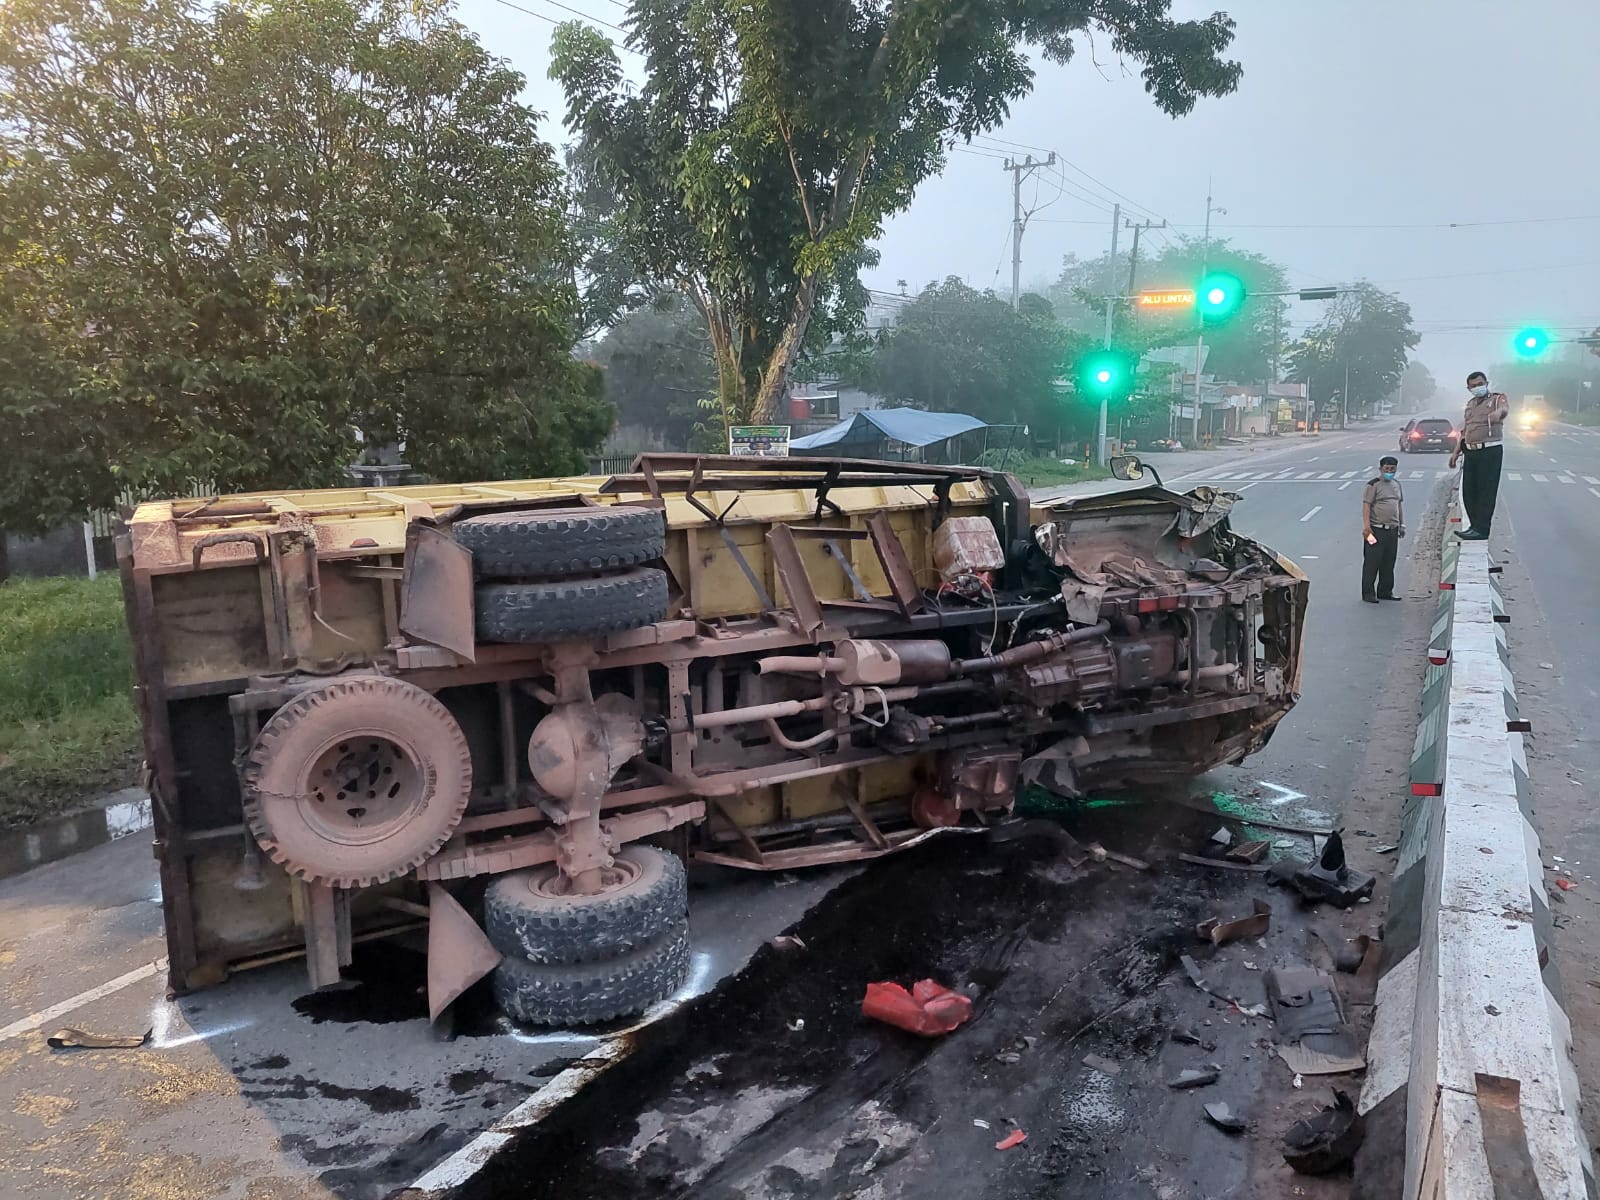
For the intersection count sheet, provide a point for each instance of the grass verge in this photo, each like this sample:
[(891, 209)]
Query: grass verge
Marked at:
[(1040, 472), (68, 731)]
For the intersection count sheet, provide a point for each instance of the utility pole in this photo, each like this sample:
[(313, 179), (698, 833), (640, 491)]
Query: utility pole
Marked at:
[(1111, 302), (1019, 221), (1200, 338), (1133, 271)]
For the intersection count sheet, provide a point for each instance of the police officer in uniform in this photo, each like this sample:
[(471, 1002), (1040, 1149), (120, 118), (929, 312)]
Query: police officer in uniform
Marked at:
[(1382, 527)]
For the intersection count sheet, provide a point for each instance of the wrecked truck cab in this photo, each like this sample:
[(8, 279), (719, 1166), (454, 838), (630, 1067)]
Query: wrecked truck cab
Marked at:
[(511, 712)]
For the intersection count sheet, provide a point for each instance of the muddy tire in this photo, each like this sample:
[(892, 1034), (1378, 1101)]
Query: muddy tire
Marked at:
[(589, 993), (567, 610), (525, 917), (561, 541), (357, 781)]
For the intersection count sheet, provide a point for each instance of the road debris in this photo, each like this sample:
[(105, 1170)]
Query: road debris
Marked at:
[(1224, 1118), (1329, 878), (1201, 861), (1325, 1142), (929, 1009), (1100, 854), (1195, 1077), (1104, 1065), (1015, 1138), (1222, 838), (1313, 1036), (786, 942), (980, 1123), (796, 1025), (1219, 932), (80, 1039), (1249, 852), (1189, 1037), (1565, 884), (1389, 849)]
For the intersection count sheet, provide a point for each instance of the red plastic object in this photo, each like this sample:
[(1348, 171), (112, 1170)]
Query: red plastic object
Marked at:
[(929, 1009), (1015, 1138), (1566, 885)]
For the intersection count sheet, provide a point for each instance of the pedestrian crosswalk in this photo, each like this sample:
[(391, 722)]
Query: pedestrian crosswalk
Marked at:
[(1345, 478)]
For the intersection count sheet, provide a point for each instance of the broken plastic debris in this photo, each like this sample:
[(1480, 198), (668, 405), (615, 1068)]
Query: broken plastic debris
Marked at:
[(980, 1122), (1566, 885), (1195, 1077), (929, 1009), (796, 1025), (1299, 1082), (1329, 878), (1313, 1036), (786, 941), (1015, 1138), (1219, 932), (1224, 1118), (79, 1039), (1325, 1142)]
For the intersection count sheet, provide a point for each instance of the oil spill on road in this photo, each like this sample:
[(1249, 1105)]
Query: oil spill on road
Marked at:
[(772, 1085)]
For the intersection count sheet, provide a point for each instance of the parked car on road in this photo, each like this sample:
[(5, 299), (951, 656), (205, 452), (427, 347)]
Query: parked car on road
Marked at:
[(1427, 433)]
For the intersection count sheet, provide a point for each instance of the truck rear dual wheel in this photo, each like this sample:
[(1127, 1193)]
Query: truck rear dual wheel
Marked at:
[(575, 959), (591, 992)]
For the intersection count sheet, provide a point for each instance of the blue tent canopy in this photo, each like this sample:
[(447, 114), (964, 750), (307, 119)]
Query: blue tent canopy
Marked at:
[(911, 426)]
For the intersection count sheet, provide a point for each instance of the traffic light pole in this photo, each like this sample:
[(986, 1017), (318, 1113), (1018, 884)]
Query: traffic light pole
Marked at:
[(1111, 301)]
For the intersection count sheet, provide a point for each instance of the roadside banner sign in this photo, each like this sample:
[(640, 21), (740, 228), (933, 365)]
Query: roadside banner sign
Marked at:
[(759, 441)]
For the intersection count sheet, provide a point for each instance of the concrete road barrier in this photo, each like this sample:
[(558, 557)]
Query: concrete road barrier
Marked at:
[(1470, 1052)]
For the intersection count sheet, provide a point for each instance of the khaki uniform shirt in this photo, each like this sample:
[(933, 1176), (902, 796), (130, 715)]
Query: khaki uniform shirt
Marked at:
[(1484, 419), (1384, 498)]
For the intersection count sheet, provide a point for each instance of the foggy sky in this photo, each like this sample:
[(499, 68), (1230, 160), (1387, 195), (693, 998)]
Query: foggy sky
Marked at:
[(1350, 113)]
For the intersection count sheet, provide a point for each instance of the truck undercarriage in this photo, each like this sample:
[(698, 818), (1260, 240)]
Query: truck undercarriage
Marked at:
[(369, 709)]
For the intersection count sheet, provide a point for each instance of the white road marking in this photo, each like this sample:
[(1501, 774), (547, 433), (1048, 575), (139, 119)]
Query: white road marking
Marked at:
[(1416, 474), (1596, 491), (1284, 794), (1307, 475), (1565, 479), (1537, 478), (1311, 514), (1517, 475), (1441, 474), (1284, 474), (1345, 484), (45, 1015), (1348, 475), (1309, 557), (1327, 475), (1247, 486), (1590, 479)]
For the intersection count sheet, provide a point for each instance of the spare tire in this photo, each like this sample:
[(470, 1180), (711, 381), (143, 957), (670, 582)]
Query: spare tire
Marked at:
[(526, 917), (588, 993), (561, 541), (565, 610)]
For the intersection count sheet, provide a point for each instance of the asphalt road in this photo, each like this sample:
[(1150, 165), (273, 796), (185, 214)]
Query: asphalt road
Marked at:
[(241, 1094), (1547, 534)]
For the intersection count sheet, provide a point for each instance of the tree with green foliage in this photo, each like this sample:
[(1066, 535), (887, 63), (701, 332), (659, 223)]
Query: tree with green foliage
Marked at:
[(234, 235), (770, 139), (955, 349), (1417, 387), (659, 373), (1367, 332)]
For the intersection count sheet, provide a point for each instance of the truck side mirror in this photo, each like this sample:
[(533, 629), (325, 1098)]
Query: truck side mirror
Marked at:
[(1126, 467)]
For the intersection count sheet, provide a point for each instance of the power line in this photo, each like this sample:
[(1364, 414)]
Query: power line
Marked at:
[(564, 8)]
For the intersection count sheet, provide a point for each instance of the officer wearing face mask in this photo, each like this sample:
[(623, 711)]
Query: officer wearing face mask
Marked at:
[(1382, 527), (1482, 445)]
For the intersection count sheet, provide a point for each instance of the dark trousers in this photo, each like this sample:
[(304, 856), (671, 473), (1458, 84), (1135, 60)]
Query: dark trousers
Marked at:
[(1377, 562), (1480, 484)]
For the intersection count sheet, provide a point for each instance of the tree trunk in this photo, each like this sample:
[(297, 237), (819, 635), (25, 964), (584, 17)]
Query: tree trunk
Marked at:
[(775, 379), (5, 557)]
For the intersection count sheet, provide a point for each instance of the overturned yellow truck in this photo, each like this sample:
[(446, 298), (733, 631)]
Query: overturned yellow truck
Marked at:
[(514, 711)]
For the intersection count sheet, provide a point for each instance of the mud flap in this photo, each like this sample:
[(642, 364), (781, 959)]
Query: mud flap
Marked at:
[(436, 591), (459, 953)]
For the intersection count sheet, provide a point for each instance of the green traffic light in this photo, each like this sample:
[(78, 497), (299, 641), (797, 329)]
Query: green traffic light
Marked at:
[(1219, 296), (1531, 343), (1105, 374)]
